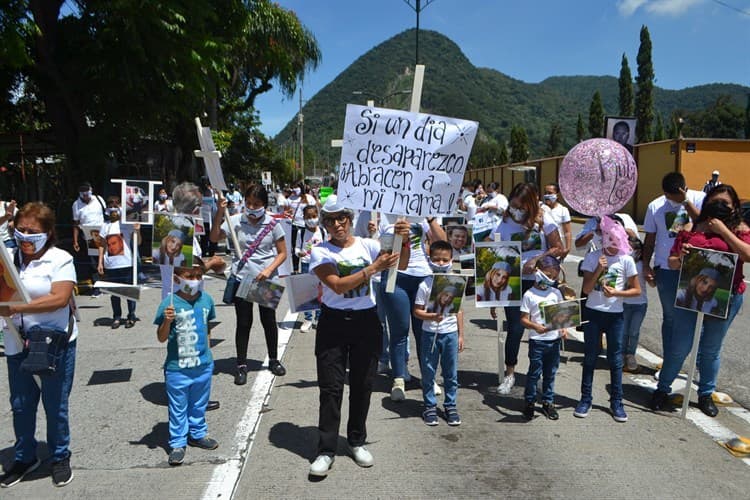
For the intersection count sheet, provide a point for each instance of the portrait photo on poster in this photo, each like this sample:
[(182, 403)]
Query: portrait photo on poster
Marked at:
[(304, 291), (267, 293), (172, 242), (446, 293), (93, 239), (565, 314), (498, 273), (459, 237), (705, 284), (137, 199), (12, 290), (621, 129)]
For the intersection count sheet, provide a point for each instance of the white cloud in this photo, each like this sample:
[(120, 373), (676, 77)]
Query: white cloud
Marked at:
[(658, 7), (627, 7)]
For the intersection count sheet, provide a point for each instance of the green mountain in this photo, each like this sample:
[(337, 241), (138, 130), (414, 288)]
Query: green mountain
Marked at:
[(455, 87)]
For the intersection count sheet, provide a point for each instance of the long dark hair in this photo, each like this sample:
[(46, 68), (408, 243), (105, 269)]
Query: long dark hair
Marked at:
[(735, 217), (529, 196)]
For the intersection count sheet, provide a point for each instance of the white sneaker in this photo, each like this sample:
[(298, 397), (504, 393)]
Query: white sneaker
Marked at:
[(507, 384), (306, 325), (397, 392), (321, 465), (362, 457), (436, 389)]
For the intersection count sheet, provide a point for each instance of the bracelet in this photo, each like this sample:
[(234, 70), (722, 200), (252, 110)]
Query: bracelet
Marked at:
[(430, 220)]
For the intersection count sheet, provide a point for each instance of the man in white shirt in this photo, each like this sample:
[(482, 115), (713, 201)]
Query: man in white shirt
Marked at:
[(666, 216), (88, 210)]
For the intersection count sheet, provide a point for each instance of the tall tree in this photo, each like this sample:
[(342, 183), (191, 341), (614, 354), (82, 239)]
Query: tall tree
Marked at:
[(659, 133), (596, 116), (503, 160), (580, 130), (555, 139), (625, 83), (519, 144), (644, 98)]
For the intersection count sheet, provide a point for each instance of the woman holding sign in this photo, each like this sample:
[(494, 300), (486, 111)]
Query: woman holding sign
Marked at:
[(718, 227), (349, 332), (265, 250), (524, 221)]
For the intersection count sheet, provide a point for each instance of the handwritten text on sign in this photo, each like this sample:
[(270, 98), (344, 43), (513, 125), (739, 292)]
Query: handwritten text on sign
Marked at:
[(403, 163)]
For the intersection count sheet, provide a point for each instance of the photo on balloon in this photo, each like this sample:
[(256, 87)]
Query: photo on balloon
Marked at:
[(706, 278), (12, 290), (565, 314), (498, 273), (305, 292), (172, 243), (621, 129), (446, 294)]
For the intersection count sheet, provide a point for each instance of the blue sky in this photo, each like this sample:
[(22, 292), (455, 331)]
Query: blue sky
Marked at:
[(694, 41)]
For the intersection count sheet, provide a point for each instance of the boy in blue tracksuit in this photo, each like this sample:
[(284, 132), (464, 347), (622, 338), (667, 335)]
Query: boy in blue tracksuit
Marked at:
[(182, 320)]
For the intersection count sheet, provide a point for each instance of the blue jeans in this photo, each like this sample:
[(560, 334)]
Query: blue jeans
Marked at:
[(515, 328), (612, 325), (709, 347), (187, 394), (445, 351), (666, 285), (398, 310), (309, 314), (633, 315), (24, 400), (544, 358), (380, 303), (120, 275)]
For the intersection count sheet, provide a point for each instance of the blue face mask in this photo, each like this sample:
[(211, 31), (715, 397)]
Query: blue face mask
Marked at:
[(38, 240)]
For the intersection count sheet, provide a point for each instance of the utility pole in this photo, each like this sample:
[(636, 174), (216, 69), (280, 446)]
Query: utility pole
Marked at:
[(300, 127), (418, 7)]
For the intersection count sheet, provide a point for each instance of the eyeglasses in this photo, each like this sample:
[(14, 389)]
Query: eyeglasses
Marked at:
[(341, 219)]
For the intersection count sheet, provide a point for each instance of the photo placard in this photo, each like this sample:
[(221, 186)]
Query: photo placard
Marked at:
[(498, 273), (705, 284)]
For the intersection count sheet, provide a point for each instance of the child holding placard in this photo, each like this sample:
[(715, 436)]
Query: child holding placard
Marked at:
[(544, 343), (442, 339)]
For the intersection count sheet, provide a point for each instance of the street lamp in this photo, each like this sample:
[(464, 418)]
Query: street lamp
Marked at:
[(381, 99)]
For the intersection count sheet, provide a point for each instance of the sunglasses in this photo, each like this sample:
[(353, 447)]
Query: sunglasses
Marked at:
[(341, 219)]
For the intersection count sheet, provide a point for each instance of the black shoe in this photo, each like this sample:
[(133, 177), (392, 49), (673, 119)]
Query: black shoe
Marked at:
[(17, 472), (212, 405), (61, 473), (659, 401), (276, 367), (205, 442), (240, 378), (707, 406), (177, 456), (549, 411), (116, 324), (130, 323), (528, 411)]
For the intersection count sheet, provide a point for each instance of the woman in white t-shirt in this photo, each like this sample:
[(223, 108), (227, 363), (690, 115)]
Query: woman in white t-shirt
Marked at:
[(524, 221), (349, 332), (116, 258), (49, 276), (609, 276), (163, 203)]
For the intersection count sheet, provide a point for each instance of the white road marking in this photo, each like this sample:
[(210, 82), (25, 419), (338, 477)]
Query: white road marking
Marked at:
[(226, 476)]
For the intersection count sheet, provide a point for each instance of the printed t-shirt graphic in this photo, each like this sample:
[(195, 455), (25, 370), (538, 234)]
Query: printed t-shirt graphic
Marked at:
[(347, 268)]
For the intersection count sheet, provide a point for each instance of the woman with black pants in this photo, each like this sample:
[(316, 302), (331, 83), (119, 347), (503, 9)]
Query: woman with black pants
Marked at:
[(269, 253), (349, 331)]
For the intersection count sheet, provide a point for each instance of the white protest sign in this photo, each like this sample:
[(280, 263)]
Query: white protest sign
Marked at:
[(403, 163), (210, 156)]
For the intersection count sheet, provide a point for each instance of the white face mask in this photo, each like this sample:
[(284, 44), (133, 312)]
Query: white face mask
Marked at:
[(255, 212), (38, 240), (517, 214), (542, 280), (441, 268), (189, 287), (311, 223), (296, 191), (86, 195), (552, 198)]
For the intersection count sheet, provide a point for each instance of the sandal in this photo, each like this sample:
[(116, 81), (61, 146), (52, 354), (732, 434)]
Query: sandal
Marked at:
[(116, 324), (130, 323)]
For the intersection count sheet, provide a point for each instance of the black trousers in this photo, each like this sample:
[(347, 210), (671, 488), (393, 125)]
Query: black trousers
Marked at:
[(353, 339), (244, 312), (297, 232)]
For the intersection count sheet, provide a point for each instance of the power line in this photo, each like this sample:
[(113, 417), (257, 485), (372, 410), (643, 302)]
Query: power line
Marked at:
[(732, 7)]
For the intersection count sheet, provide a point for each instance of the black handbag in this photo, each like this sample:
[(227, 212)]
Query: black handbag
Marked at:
[(44, 348), (231, 290)]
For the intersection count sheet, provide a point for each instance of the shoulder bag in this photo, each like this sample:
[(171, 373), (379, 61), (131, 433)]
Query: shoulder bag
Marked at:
[(233, 282)]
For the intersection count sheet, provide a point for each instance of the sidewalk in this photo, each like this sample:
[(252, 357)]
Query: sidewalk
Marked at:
[(119, 428)]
